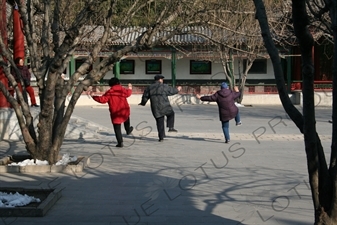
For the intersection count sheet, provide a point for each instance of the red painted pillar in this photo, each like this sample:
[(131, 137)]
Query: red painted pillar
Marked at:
[(317, 62), (3, 101), (19, 39), (297, 70)]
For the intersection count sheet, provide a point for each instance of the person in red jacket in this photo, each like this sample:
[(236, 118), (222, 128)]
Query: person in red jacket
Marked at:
[(225, 98), (118, 106)]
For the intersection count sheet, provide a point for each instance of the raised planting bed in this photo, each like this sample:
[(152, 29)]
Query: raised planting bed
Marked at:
[(72, 167), (48, 197)]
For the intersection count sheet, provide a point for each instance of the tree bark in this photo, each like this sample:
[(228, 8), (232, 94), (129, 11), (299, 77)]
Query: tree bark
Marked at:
[(333, 166), (320, 182)]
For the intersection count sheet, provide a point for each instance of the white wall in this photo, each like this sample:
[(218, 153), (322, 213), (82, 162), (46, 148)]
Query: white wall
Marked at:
[(183, 70), (268, 75), (140, 70)]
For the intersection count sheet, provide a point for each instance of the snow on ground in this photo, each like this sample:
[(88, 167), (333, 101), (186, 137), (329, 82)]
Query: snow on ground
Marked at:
[(28, 162), (17, 199), (66, 158), (239, 105), (13, 200)]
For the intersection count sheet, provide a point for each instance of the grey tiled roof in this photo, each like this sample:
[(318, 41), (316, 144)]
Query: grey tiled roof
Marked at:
[(127, 35)]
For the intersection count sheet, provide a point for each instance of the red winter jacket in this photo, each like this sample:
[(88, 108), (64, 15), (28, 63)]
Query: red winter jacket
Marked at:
[(118, 105)]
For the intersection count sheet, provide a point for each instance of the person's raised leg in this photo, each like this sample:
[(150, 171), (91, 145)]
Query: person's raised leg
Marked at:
[(127, 126), (238, 119), (170, 122)]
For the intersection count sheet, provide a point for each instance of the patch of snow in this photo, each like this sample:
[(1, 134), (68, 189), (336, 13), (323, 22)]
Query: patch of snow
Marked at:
[(66, 158), (17, 199), (29, 162), (239, 105)]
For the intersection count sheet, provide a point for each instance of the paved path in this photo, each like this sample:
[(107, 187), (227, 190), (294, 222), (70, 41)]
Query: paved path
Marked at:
[(191, 178)]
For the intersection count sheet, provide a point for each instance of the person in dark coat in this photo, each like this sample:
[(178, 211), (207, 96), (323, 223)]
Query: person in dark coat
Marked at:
[(26, 76), (225, 98), (118, 106), (158, 93)]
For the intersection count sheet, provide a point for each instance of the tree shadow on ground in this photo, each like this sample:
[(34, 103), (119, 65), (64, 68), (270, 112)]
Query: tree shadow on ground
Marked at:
[(143, 198), (143, 188), (118, 198)]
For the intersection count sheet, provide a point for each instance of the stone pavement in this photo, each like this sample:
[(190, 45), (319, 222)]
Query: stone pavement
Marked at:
[(191, 178)]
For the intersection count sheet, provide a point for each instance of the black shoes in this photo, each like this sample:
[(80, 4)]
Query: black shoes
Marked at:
[(120, 145), (35, 105), (227, 141), (130, 131), (172, 130), (161, 140), (239, 124)]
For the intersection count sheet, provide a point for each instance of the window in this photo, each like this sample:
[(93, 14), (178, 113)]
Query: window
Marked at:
[(259, 66), (200, 67), (27, 62), (153, 66), (127, 66), (79, 62)]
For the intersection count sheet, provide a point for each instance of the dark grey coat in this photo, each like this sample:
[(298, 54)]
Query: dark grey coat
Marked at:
[(158, 94)]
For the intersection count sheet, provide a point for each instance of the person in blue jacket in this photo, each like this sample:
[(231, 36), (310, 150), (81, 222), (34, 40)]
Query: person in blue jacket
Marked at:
[(225, 99)]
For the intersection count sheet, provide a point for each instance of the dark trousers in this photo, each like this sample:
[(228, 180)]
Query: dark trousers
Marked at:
[(160, 124), (118, 130)]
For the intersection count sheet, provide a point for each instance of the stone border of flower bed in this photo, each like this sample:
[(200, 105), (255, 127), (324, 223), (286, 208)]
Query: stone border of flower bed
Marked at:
[(33, 211), (70, 168)]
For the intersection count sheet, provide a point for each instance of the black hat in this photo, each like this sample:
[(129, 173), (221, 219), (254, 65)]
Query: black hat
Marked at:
[(158, 76), (113, 81)]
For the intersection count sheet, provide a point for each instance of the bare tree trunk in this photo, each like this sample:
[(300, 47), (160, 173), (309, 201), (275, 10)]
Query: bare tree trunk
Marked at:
[(333, 166), (319, 178), (248, 65), (320, 183)]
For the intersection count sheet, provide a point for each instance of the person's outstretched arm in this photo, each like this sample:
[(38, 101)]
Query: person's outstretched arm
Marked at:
[(208, 98), (236, 94), (127, 91), (145, 97), (172, 90), (101, 99)]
